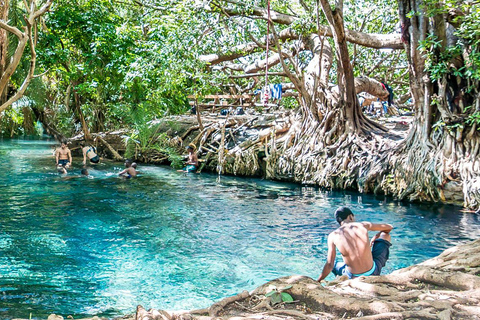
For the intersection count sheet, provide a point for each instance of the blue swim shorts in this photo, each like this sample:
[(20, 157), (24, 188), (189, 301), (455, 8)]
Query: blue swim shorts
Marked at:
[(190, 168), (380, 254)]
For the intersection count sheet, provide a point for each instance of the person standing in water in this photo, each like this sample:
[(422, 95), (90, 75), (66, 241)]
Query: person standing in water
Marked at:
[(63, 156), (351, 239)]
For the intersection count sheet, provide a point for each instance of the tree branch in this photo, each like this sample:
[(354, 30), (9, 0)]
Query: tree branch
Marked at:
[(377, 41), (23, 38)]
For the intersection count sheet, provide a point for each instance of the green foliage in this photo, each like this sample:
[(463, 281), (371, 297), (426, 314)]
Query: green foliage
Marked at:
[(289, 102), (439, 58), (277, 295), (146, 139), (142, 139), (474, 118)]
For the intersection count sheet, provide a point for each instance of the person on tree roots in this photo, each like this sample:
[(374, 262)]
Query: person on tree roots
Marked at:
[(192, 162), (352, 241)]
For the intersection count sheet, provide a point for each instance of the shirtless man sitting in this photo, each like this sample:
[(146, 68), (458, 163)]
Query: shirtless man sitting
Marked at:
[(63, 156), (192, 162), (351, 239)]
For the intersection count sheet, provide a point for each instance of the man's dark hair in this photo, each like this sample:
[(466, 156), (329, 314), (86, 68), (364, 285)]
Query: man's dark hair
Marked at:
[(342, 213), (64, 142), (84, 171)]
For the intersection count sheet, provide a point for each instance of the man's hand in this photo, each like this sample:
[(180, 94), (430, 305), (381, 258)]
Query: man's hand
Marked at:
[(375, 238)]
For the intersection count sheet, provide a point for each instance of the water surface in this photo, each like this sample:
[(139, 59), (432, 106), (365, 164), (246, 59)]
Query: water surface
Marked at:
[(103, 245)]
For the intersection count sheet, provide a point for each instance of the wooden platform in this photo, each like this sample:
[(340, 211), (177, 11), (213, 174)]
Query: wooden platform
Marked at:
[(222, 101)]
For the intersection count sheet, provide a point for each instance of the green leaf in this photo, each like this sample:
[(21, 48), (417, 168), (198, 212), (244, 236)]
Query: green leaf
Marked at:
[(276, 298), (271, 293), (286, 297)]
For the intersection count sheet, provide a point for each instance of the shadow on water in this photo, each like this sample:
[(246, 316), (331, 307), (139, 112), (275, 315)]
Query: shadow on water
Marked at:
[(104, 244)]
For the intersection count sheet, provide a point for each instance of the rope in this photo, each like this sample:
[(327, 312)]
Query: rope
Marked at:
[(266, 90)]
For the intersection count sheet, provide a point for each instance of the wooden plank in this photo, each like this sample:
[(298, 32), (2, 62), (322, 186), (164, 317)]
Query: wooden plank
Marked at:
[(224, 105), (223, 96)]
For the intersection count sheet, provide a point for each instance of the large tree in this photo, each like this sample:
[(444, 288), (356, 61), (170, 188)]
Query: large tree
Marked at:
[(335, 145), (441, 153), (26, 37), (333, 135)]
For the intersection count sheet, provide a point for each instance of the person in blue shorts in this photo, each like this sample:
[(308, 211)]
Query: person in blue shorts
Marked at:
[(361, 257), (192, 162)]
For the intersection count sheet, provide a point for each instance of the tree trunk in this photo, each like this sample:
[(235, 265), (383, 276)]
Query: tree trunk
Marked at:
[(442, 148), (3, 47), (85, 129)]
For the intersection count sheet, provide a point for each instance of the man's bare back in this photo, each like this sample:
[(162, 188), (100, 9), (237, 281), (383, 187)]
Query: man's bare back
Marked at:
[(352, 240), (129, 171), (353, 243)]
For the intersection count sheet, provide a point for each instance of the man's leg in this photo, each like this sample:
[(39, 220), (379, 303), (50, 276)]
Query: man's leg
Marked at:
[(339, 268), (381, 251), (385, 236)]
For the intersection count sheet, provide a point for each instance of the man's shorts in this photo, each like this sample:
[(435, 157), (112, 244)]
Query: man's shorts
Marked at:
[(190, 168), (63, 162), (380, 254)]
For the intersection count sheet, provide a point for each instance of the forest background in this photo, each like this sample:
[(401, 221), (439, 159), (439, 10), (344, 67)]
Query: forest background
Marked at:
[(95, 66)]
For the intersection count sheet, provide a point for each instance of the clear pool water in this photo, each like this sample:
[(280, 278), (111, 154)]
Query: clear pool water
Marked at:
[(103, 245)]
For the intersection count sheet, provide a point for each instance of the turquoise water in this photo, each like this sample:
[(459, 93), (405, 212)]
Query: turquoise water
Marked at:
[(103, 245)]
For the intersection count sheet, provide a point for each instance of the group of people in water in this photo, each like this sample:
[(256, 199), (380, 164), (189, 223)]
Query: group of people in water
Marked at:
[(63, 160), (361, 256)]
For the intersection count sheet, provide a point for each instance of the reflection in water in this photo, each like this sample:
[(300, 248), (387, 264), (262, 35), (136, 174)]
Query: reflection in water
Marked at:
[(104, 245)]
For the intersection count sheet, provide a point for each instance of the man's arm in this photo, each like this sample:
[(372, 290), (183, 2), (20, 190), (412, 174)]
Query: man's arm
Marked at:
[(84, 155), (57, 153), (382, 227), (69, 156), (332, 251)]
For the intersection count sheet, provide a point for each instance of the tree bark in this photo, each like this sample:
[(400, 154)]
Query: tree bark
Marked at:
[(24, 38), (3, 47)]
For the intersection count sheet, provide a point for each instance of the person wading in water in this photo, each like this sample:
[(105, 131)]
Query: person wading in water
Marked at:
[(63, 156)]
